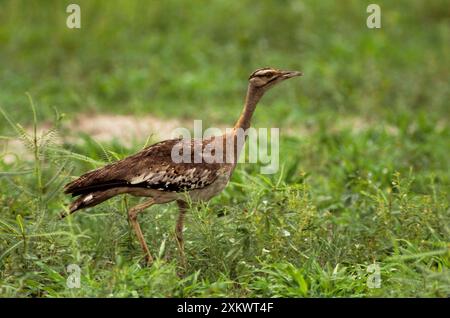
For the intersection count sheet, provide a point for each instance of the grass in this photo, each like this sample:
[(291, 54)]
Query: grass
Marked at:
[(364, 172)]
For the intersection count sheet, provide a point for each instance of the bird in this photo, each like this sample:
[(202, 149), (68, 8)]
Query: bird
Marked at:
[(154, 174)]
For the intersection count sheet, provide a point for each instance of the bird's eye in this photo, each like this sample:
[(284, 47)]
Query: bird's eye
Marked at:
[(269, 75)]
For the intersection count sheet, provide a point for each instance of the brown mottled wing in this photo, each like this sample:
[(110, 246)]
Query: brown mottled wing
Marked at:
[(152, 168)]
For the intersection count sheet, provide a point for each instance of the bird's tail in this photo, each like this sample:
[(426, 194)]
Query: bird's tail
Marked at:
[(89, 200)]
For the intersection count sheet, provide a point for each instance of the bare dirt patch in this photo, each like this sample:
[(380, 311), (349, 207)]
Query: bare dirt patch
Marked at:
[(127, 129), (123, 128), (100, 127)]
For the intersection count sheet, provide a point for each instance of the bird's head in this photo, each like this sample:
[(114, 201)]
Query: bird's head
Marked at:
[(265, 78)]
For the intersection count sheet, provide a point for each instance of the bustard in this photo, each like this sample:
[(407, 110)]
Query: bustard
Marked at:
[(153, 173)]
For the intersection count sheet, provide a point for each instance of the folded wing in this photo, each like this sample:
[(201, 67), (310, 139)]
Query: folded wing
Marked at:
[(151, 168)]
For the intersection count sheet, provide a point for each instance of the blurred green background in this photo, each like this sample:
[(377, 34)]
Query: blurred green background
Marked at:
[(192, 58), (364, 146)]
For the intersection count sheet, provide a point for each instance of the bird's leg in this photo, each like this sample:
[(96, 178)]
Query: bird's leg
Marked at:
[(132, 216), (182, 205)]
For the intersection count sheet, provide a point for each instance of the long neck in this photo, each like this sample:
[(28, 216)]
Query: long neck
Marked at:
[(253, 96)]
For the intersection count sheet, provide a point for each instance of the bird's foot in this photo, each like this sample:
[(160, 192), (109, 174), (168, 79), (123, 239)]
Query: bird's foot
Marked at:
[(148, 260)]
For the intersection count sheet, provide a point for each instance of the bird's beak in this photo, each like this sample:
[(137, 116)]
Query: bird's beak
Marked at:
[(289, 74)]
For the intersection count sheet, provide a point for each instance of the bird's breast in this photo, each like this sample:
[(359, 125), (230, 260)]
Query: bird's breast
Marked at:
[(206, 193)]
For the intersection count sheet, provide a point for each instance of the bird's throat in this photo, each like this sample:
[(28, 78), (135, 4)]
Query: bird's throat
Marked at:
[(240, 130), (254, 94)]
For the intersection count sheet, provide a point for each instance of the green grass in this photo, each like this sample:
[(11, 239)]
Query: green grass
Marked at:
[(364, 178)]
